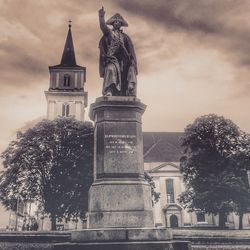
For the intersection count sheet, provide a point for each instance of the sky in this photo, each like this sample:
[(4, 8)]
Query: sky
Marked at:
[(193, 57)]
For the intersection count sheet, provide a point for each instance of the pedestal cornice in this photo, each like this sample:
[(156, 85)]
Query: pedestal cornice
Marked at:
[(119, 102)]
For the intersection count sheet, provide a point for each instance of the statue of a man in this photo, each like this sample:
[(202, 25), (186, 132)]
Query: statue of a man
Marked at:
[(118, 64)]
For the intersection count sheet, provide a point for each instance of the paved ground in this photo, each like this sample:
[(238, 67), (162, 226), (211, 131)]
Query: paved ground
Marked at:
[(211, 233), (216, 247), (25, 246), (215, 239)]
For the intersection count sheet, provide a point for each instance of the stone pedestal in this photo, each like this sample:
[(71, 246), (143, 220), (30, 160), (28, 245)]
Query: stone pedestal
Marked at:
[(119, 196)]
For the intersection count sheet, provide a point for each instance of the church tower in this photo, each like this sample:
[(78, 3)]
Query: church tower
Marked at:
[(66, 96)]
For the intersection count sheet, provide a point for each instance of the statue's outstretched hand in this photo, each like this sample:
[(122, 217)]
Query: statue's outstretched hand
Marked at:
[(101, 12)]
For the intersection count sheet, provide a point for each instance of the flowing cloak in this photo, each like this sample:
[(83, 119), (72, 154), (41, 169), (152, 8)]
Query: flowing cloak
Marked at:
[(128, 59)]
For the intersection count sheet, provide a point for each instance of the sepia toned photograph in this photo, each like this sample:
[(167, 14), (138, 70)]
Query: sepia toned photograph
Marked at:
[(125, 125)]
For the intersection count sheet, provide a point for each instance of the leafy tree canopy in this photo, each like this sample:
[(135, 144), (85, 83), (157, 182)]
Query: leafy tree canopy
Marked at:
[(52, 163), (214, 166), (155, 195)]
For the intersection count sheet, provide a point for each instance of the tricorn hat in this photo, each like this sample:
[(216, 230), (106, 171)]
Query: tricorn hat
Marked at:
[(118, 17)]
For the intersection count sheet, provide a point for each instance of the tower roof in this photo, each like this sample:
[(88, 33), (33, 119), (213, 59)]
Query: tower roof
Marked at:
[(68, 57)]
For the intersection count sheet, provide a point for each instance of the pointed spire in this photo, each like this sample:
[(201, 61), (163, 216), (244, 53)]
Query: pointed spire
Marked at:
[(68, 57)]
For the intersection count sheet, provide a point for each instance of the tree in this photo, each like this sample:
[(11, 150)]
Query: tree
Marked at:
[(241, 161), (52, 163), (214, 167), (155, 195)]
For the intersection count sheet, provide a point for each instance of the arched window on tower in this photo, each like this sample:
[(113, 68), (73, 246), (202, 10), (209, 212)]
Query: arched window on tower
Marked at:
[(66, 82), (65, 110)]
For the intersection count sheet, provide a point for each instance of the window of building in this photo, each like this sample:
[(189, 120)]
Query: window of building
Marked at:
[(65, 110), (200, 217), (66, 80), (170, 190)]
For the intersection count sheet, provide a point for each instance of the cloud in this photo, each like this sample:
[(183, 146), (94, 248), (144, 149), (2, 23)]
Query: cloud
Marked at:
[(33, 37), (191, 16), (183, 48), (221, 24)]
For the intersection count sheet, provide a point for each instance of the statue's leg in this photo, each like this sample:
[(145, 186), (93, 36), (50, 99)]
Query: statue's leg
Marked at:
[(132, 81), (131, 89), (111, 83), (110, 80), (124, 84), (111, 90)]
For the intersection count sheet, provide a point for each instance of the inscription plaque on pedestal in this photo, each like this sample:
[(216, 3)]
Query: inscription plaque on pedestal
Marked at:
[(120, 144)]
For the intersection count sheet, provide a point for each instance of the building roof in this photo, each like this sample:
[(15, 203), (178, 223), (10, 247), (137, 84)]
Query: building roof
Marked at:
[(162, 146), (68, 57)]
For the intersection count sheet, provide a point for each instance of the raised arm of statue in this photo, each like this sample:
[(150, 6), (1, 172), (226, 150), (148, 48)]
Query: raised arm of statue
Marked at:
[(105, 29)]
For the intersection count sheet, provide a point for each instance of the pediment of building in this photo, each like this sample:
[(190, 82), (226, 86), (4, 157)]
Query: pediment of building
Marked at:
[(165, 167), (172, 207)]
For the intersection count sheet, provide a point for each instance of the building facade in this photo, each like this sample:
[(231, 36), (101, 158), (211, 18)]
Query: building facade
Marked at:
[(162, 152)]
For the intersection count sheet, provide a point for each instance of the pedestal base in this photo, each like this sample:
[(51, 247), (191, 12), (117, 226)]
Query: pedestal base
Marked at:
[(123, 239), (119, 219), (146, 245), (121, 234), (120, 204)]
